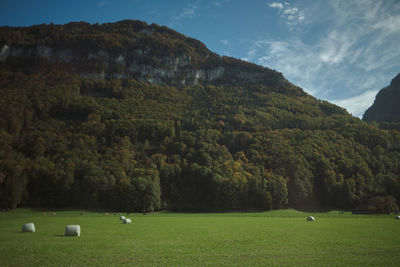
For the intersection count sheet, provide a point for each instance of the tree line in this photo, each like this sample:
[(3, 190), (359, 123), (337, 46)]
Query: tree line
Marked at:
[(125, 145)]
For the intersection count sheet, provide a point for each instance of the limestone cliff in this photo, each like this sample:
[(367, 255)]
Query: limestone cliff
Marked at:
[(128, 49)]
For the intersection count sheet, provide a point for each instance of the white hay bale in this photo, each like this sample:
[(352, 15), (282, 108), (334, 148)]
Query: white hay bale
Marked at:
[(122, 218), (73, 230), (28, 227), (127, 220), (397, 217), (310, 218)]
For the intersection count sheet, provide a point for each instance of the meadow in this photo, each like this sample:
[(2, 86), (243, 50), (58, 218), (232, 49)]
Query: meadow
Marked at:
[(282, 237)]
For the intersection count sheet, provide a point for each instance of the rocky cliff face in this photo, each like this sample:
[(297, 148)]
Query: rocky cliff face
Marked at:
[(170, 70), (147, 53), (386, 106)]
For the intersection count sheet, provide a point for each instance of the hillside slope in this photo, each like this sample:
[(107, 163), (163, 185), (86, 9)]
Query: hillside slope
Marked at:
[(386, 106), (129, 116)]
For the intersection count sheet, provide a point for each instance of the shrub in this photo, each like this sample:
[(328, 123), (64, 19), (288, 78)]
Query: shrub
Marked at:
[(383, 204)]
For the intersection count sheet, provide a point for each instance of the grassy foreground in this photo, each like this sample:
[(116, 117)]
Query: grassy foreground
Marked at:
[(255, 239)]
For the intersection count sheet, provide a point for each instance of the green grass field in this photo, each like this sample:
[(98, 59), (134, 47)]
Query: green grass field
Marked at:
[(195, 239)]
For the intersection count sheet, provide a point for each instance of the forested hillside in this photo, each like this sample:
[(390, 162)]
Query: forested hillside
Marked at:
[(135, 117)]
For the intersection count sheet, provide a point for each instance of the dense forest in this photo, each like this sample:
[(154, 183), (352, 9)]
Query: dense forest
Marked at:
[(211, 133)]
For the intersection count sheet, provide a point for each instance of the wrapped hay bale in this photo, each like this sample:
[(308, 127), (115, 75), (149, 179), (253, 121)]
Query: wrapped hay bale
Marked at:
[(310, 218), (127, 220), (28, 227), (73, 230), (122, 218), (397, 217)]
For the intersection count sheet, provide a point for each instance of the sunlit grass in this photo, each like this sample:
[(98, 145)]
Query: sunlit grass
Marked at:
[(278, 237)]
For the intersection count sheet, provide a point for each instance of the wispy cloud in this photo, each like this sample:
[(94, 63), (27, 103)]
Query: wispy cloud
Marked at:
[(291, 15), (227, 47), (349, 59), (224, 42), (221, 2), (276, 5), (356, 105), (186, 13)]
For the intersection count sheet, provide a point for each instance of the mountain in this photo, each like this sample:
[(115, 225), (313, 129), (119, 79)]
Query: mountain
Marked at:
[(386, 106), (125, 50), (135, 117)]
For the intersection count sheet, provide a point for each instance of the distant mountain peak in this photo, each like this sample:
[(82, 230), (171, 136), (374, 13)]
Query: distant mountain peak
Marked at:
[(386, 106)]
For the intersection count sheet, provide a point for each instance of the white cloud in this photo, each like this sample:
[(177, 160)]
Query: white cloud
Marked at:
[(350, 58), (224, 42), (357, 105), (291, 15), (391, 24), (291, 10), (276, 5), (336, 47)]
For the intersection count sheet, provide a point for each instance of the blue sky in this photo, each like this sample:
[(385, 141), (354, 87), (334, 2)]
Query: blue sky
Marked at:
[(343, 51)]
